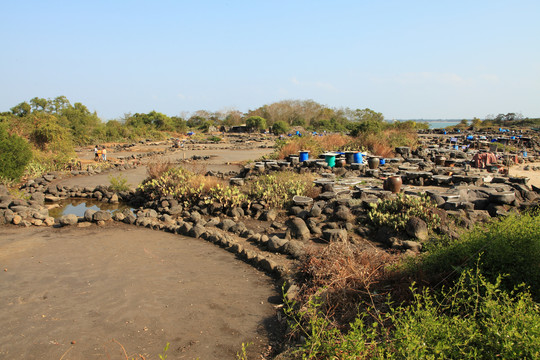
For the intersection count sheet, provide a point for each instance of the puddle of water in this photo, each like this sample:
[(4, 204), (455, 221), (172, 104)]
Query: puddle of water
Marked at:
[(79, 206)]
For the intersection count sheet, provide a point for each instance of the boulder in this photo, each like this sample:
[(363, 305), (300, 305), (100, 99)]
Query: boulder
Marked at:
[(297, 229), (275, 243), (333, 235), (69, 219), (114, 199), (412, 245), (343, 213), (294, 248), (226, 224), (38, 197), (101, 215), (315, 211), (16, 219), (269, 215), (89, 215), (196, 231), (118, 216), (417, 228)]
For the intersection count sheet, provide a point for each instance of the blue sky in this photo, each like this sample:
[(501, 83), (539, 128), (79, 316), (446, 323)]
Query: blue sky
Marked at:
[(406, 59)]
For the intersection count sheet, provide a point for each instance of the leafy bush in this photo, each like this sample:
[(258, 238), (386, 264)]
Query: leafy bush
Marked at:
[(474, 319), (395, 212), (118, 183), (215, 139), (280, 127), (256, 123), (277, 190), (15, 153), (190, 188), (506, 246)]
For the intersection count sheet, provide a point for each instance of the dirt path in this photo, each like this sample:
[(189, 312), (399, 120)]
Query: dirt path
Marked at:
[(66, 293), (221, 160)]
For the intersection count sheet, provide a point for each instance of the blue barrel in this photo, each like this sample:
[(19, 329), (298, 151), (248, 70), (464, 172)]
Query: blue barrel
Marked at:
[(456, 147), (358, 158), (382, 161), (470, 137), (304, 155), (524, 154)]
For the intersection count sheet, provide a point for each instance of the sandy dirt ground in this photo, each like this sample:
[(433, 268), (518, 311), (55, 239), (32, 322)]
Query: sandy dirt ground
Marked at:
[(533, 175), (221, 160), (84, 293)]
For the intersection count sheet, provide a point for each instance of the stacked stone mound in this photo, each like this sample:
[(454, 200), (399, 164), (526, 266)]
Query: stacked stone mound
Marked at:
[(23, 212)]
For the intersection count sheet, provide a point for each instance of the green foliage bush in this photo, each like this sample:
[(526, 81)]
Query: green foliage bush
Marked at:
[(214, 138), (475, 319), (395, 212), (119, 183), (15, 153), (280, 127), (277, 190), (190, 189), (256, 123), (509, 245)]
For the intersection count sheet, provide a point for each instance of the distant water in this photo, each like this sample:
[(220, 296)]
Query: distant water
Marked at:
[(437, 123)]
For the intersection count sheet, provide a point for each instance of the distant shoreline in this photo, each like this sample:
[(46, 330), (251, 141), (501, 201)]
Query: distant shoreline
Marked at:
[(436, 123)]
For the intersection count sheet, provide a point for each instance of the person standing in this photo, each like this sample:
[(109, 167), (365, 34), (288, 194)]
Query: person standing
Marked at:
[(96, 153), (104, 153)]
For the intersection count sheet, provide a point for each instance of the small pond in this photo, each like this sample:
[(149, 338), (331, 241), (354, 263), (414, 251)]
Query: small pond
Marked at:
[(79, 206)]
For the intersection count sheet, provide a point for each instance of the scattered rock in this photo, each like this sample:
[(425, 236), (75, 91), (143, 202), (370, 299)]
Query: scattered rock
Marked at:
[(69, 219), (297, 229), (417, 228)]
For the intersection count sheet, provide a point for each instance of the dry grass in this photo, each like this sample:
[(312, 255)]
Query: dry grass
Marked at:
[(384, 142), (314, 144), (196, 167), (334, 142), (157, 167), (344, 276), (208, 182)]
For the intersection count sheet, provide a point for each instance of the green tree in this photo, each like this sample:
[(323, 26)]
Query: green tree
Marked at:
[(280, 127), (179, 124), (21, 109), (368, 115), (476, 123), (256, 123), (80, 120), (39, 104), (15, 153)]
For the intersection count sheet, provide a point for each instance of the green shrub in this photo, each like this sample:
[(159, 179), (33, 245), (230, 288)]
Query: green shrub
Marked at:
[(256, 123), (277, 190), (191, 189), (474, 319), (214, 138), (15, 153), (119, 183), (506, 246), (280, 127), (395, 212)]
